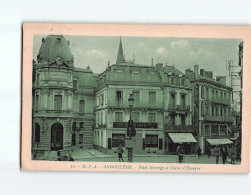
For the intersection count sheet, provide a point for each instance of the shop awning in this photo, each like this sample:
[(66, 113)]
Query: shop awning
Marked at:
[(219, 141), (182, 137)]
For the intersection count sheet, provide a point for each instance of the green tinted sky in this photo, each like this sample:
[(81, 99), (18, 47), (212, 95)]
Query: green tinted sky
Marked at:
[(210, 54)]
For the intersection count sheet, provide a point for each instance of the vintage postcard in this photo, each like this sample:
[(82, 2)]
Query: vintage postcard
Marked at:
[(136, 98)]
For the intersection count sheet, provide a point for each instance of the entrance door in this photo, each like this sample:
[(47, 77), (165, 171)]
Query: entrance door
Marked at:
[(57, 136)]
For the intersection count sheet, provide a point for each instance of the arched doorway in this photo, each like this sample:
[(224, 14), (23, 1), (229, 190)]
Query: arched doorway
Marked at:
[(37, 133), (57, 136)]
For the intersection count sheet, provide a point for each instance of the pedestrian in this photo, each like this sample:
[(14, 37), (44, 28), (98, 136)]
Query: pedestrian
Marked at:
[(224, 155), (71, 158), (120, 152), (217, 154), (232, 154), (59, 156), (209, 152), (180, 154), (199, 152)]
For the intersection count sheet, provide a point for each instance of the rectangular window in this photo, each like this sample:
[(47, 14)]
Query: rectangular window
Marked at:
[(183, 120), (202, 92), (151, 141), (82, 106), (81, 125), (183, 100), (216, 110), (37, 102), (118, 117), (74, 84), (119, 95), (151, 117), (135, 116), (214, 129), (172, 80), (152, 76), (118, 75), (57, 102), (74, 126), (136, 96), (152, 97), (118, 139), (80, 138), (212, 111), (223, 131), (207, 130), (38, 78), (172, 120), (136, 76), (173, 99), (73, 139)]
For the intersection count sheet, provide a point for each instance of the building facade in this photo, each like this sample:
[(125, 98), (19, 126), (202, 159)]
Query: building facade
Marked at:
[(162, 107), (75, 108), (212, 117), (63, 99)]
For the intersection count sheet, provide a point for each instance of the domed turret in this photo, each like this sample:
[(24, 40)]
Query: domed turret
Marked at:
[(55, 48)]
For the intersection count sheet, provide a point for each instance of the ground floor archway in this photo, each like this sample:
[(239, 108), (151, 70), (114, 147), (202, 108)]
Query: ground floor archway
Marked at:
[(57, 135)]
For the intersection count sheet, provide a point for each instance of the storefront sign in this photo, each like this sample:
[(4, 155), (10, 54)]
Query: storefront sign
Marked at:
[(137, 125)]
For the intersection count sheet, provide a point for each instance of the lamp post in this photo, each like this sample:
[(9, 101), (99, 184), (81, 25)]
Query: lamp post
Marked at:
[(130, 129)]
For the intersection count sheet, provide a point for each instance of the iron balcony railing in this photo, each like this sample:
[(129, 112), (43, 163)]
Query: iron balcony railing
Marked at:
[(218, 118), (174, 107), (136, 104), (220, 101), (179, 127)]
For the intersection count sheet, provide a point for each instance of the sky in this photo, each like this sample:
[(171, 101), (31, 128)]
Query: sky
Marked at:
[(183, 53)]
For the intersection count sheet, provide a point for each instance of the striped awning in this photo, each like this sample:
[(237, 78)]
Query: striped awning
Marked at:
[(182, 137), (223, 141)]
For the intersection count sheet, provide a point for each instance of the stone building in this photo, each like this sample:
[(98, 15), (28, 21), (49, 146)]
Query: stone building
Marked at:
[(63, 99), (161, 111), (212, 108)]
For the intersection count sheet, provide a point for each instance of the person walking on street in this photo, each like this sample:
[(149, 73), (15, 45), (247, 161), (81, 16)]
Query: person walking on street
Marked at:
[(217, 154), (199, 152), (209, 152), (180, 154), (224, 155), (120, 152), (232, 154)]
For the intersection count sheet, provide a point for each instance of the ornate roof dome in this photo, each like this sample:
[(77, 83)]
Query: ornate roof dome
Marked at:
[(54, 47)]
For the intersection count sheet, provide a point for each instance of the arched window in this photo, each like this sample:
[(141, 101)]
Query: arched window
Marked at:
[(37, 133)]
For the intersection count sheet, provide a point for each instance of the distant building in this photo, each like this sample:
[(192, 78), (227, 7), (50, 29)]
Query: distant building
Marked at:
[(211, 108), (63, 99)]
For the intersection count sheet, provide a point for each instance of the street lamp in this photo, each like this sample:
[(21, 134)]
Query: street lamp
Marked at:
[(130, 129)]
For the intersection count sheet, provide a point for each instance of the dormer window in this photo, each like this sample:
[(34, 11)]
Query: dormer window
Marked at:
[(152, 76), (118, 75), (136, 76)]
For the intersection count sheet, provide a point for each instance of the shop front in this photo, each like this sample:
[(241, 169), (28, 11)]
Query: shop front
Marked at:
[(185, 140)]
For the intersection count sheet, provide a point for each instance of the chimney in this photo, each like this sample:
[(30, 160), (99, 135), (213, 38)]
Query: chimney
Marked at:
[(159, 65), (196, 71), (222, 79), (209, 74), (202, 72)]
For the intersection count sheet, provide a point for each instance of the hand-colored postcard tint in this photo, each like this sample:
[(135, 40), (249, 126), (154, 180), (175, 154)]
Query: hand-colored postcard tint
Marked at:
[(134, 102)]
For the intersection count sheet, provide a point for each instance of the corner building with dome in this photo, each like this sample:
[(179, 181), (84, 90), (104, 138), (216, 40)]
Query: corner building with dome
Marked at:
[(63, 99)]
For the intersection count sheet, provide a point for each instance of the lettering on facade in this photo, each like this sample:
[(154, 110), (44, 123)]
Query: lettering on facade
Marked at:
[(137, 125)]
